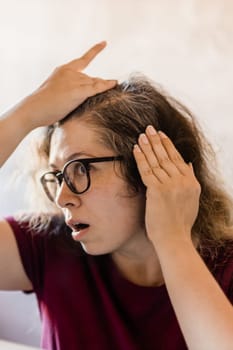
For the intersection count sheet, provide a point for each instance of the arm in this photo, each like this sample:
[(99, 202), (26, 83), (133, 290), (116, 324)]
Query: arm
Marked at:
[(203, 311), (63, 91), (12, 274)]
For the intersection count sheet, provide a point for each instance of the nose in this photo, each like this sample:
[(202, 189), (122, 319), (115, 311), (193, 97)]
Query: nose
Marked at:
[(66, 198)]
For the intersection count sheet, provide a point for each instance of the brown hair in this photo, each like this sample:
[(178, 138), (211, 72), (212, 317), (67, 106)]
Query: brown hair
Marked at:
[(122, 113)]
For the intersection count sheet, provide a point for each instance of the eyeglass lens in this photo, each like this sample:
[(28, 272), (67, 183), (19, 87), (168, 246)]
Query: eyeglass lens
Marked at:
[(76, 178)]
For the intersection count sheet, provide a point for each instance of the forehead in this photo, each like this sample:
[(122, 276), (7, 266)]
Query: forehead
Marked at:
[(75, 137)]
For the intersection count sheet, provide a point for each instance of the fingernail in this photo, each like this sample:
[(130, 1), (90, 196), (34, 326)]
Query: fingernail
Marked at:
[(162, 135), (144, 138), (104, 42), (137, 148), (151, 130)]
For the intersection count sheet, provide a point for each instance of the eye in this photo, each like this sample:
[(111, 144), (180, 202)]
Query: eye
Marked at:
[(58, 177), (79, 169)]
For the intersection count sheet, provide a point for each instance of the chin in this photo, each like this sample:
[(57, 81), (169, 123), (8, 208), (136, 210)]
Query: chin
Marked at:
[(94, 250)]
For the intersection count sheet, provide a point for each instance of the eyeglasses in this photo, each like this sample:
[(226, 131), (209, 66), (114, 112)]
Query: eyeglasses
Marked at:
[(76, 175)]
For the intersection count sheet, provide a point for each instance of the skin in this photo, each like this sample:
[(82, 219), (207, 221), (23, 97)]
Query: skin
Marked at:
[(171, 208), (116, 219), (203, 312), (162, 250), (170, 182), (63, 91)]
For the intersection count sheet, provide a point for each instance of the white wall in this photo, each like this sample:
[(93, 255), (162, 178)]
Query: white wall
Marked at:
[(186, 45)]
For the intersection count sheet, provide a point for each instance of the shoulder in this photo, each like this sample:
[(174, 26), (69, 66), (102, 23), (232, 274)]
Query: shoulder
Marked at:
[(44, 229), (42, 246)]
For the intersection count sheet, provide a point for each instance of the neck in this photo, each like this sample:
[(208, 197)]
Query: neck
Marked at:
[(140, 267)]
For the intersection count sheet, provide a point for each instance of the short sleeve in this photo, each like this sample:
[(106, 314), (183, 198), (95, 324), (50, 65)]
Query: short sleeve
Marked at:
[(31, 245)]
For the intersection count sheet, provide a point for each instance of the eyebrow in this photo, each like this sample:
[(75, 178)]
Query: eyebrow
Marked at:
[(73, 156)]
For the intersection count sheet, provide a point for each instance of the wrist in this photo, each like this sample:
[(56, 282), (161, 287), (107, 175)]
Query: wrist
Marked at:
[(16, 123), (23, 115), (174, 242)]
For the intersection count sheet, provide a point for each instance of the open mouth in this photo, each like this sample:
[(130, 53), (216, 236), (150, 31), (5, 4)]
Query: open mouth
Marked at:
[(80, 226), (79, 230)]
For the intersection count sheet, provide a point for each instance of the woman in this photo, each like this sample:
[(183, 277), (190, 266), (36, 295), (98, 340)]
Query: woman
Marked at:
[(148, 230)]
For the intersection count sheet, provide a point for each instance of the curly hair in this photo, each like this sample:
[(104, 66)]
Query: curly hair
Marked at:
[(122, 113)]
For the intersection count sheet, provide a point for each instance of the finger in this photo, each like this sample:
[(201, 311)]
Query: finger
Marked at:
[(148, 151), (83, 61), (97, 86), (98, 81), (161, 153), (156, 148), (144, 169), (173, 153), (151, 160), (191, 169)]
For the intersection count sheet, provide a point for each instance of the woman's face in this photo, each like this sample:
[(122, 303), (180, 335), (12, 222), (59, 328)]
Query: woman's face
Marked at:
[(115, 220)]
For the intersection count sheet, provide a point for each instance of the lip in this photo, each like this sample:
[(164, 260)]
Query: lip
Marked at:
[(71, 223), (78, 235)]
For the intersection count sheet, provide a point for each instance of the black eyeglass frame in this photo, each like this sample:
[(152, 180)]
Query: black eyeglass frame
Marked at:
[(61, 175)]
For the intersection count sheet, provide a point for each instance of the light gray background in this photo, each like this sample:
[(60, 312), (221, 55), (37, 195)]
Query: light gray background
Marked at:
[(185, 45)]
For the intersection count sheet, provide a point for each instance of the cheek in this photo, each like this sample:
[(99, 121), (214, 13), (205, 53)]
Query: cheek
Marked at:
[(113, 203), (125, 211), (104, 200)]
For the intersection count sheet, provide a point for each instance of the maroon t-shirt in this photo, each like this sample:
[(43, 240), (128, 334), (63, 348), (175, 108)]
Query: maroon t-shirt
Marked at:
[(85, 303)]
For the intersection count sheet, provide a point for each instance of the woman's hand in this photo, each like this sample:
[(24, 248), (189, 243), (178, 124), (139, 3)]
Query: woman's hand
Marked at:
[(204, 314), (63, 91), (172, 195)]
